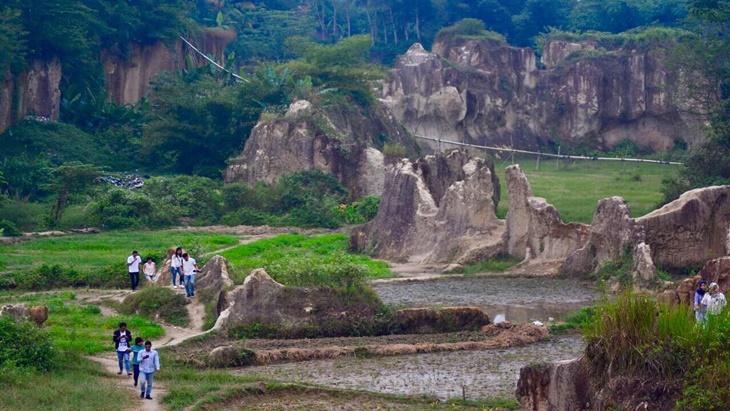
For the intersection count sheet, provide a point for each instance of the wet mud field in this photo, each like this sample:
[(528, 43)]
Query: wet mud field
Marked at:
[(479, 375), (503, 298)]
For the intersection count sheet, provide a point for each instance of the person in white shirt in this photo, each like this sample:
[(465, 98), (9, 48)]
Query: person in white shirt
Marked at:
[(714, 300), (189, 269), (133, 262), (176, 261), (149, 362), (149, 269)]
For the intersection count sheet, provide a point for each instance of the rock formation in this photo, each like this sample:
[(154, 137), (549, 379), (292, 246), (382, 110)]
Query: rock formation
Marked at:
[(559, 386), (33, 92), (294, 311), (690, 230), (493, 94), (613, 235), (331, 140), (128, 77), (436, 210), (534, 227)]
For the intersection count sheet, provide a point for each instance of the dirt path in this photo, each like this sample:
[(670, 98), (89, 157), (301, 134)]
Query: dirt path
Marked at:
[(173, 336), (158, 390)]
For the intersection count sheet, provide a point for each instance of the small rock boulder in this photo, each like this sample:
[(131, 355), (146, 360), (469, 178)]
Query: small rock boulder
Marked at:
[(37, 314), (559, 386)]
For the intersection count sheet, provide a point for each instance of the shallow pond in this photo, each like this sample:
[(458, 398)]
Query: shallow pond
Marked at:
[(503, 298), (481, 374)]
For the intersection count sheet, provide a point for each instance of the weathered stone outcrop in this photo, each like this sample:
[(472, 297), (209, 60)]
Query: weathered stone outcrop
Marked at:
[(331, 140), (613, 235), (690, 230), (36, 92), (559, 386), (293, 311), (33, 92), (128, 77), (534, 227), (493, 94), (436, 210)]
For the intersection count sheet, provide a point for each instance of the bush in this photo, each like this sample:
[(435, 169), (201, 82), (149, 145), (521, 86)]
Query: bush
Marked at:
[(23, 344), (8, 229), (192, 197), (120, 208), (158, 303), (25, 216), (47, 277)]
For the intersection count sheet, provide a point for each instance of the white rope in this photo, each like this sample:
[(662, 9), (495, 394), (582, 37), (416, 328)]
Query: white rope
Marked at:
[(212, 61), (563, 156)]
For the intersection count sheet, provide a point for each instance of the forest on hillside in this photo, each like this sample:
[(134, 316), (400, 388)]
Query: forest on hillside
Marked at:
[(325, 51)]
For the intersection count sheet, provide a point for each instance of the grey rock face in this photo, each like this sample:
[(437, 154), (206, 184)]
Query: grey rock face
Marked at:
[(331, 141), (438, 209), (493, 94), (690, 230), (534, 227), (612, 233)]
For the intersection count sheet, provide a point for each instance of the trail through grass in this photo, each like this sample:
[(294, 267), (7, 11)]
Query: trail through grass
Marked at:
[(575, 188)]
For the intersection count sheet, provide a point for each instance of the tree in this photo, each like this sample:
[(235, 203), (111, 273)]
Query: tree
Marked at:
[(12, 40), (72, 177), (707, 60)]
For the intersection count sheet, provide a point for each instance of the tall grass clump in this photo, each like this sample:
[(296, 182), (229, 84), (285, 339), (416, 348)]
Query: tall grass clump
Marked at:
[(633, 334), (661, 346)]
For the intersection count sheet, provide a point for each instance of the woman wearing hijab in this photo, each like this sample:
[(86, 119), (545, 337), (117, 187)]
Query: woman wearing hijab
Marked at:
[(714, 300), (700, 310)]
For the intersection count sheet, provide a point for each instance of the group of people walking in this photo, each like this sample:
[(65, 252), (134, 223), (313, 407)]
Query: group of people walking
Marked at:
[(708, 300), (143, 359), (182, 268)]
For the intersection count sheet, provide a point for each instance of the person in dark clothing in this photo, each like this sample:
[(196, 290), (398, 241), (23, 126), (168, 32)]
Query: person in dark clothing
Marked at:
[(700, 311), (122, 340)]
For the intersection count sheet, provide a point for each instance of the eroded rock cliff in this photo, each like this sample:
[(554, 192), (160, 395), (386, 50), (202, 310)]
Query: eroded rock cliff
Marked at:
[(436, 210), (32, 92), (485, 92), (330, 139)]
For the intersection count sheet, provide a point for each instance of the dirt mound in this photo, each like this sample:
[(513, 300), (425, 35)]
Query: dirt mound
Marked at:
[(447, 319)]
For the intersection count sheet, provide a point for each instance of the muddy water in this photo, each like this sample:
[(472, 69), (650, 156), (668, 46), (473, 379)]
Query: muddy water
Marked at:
[(512, 299), (481, 374)]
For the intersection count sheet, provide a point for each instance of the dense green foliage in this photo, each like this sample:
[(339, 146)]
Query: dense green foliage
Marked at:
[(299, 260), (707, 55), (638, 339), (23, 344)]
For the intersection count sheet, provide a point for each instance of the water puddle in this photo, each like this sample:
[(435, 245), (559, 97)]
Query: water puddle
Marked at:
[(511, 299)]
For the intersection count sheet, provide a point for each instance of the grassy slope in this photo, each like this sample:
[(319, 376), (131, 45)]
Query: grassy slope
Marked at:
[(98, 251), (292, 249), (574, 189)]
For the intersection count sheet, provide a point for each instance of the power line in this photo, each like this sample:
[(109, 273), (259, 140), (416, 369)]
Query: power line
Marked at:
[(212, 61), (560, 156)]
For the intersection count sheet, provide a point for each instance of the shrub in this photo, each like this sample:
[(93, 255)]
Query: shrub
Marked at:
[(121, 208), (25, 216), (158, 303), (48, 277), (194, 197), (8, 229), (23, 344)]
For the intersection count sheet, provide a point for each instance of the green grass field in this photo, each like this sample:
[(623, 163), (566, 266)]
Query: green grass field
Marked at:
[(87, 252), (575, 188), (287, 257)]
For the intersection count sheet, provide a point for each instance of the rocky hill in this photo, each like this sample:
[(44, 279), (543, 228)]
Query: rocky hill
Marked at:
[(486, 92)]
